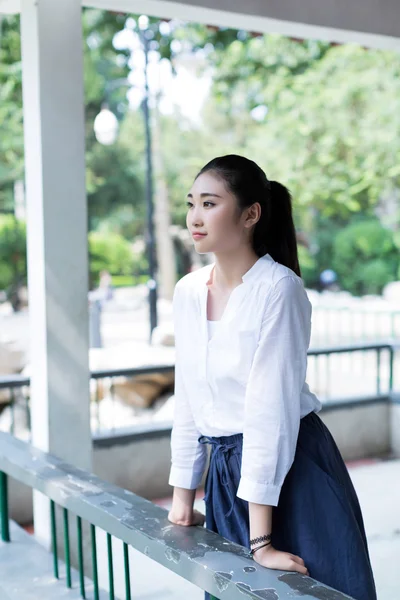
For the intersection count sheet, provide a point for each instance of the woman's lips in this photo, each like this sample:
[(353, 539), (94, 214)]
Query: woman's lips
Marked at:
[(199, 235)]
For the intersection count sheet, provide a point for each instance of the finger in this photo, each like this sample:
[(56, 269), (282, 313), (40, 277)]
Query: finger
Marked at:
[(299, 568), (297, 559)]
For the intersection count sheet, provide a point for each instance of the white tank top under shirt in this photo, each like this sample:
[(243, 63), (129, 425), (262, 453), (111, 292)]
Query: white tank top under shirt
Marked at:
[(212, 326)]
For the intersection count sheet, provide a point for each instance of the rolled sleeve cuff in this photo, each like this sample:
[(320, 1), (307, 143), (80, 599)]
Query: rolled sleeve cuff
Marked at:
[(185, 478), (259, 493)]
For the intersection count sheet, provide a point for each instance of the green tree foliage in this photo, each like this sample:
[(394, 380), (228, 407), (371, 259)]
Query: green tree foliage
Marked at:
[(109, 252), (12, 252), (113, 180), (102, 64), (331, 131), (308, 266), (11, 131), (365, 257), (322, 119)]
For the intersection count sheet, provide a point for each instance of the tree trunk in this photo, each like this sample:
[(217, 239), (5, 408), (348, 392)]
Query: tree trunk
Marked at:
[(162, 217)]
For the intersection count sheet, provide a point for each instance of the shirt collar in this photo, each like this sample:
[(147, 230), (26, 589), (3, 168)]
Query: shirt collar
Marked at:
[(249, 276)]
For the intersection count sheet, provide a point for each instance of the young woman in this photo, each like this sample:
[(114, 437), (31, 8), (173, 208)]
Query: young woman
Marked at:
[(276, 481)]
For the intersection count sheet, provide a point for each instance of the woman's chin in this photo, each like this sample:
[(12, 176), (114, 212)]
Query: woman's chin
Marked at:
[(202, 247)]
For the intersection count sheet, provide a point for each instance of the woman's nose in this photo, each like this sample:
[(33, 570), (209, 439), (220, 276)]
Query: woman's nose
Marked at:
[(196, 217)]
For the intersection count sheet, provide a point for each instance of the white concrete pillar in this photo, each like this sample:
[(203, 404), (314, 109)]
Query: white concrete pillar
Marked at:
[(52, 65)]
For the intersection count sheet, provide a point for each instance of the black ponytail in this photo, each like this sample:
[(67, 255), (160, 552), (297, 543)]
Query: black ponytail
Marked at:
[(275, 232)]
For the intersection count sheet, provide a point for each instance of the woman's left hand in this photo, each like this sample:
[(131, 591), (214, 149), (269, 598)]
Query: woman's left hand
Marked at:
[(284, 561)]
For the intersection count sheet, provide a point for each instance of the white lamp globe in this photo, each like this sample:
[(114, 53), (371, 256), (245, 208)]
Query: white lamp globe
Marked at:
[(106, 127), (143, 22)]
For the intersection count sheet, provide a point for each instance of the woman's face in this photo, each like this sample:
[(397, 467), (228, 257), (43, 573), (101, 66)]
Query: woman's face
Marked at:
[(213, 211)]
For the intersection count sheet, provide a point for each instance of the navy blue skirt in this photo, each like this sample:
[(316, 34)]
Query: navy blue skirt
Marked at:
[(318, 516)]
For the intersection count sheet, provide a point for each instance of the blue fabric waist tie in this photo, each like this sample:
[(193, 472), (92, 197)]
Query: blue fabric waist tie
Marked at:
[(219, 468)]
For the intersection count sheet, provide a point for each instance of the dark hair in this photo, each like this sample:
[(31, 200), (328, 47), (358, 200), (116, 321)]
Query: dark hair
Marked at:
[(274, 233)]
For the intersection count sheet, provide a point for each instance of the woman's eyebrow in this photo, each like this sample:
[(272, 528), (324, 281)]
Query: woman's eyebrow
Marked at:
[(204, 194)]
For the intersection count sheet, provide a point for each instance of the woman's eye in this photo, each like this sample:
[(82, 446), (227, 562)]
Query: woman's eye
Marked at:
[(189, 204)]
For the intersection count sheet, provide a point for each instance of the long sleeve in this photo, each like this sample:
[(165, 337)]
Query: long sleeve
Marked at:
[(272, 403), (188, 456)]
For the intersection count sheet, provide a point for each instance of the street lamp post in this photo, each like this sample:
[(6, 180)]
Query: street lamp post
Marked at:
[(150, 237), (106, 130)]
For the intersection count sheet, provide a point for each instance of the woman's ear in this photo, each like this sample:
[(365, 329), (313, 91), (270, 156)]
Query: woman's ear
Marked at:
[(253, 214)]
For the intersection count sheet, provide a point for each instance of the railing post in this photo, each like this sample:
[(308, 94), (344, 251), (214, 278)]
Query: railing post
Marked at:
[(378, 372), (94, 561), (127, 576), (80, 557), (54, 538), (5, 530), (110, 566), (67, 549), (391, 365)]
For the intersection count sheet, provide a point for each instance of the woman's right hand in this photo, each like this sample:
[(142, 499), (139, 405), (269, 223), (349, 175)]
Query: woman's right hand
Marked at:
[(194, 517), (283, 561)]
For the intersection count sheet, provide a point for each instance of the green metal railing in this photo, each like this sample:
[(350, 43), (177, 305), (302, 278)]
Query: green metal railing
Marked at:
[(5, 531), (349, 324), (81, 570), (105, 380), (193, 553), (67, 554), (17, 387), (94, 561), (5, 536), (352, 370)]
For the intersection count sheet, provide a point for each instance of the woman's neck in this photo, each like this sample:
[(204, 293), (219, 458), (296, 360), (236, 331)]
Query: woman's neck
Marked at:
[(229, 269)]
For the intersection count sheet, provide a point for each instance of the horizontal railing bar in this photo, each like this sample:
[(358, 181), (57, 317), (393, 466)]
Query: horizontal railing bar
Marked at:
[(351, 348), (16, 380), (343, 403), (200, 556), (359, 310), (101, 374), (394, 397), (153, 430)]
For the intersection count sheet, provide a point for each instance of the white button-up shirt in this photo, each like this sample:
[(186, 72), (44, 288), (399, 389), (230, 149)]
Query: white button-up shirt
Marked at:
[(249, 377)]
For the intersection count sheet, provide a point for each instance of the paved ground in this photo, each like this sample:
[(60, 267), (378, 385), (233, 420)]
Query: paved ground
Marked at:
[(378, 487), (37, 582)]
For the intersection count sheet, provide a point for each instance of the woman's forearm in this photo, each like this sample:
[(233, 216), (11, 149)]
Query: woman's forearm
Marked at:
[(260, 516), (182, 511), (182, 503)]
